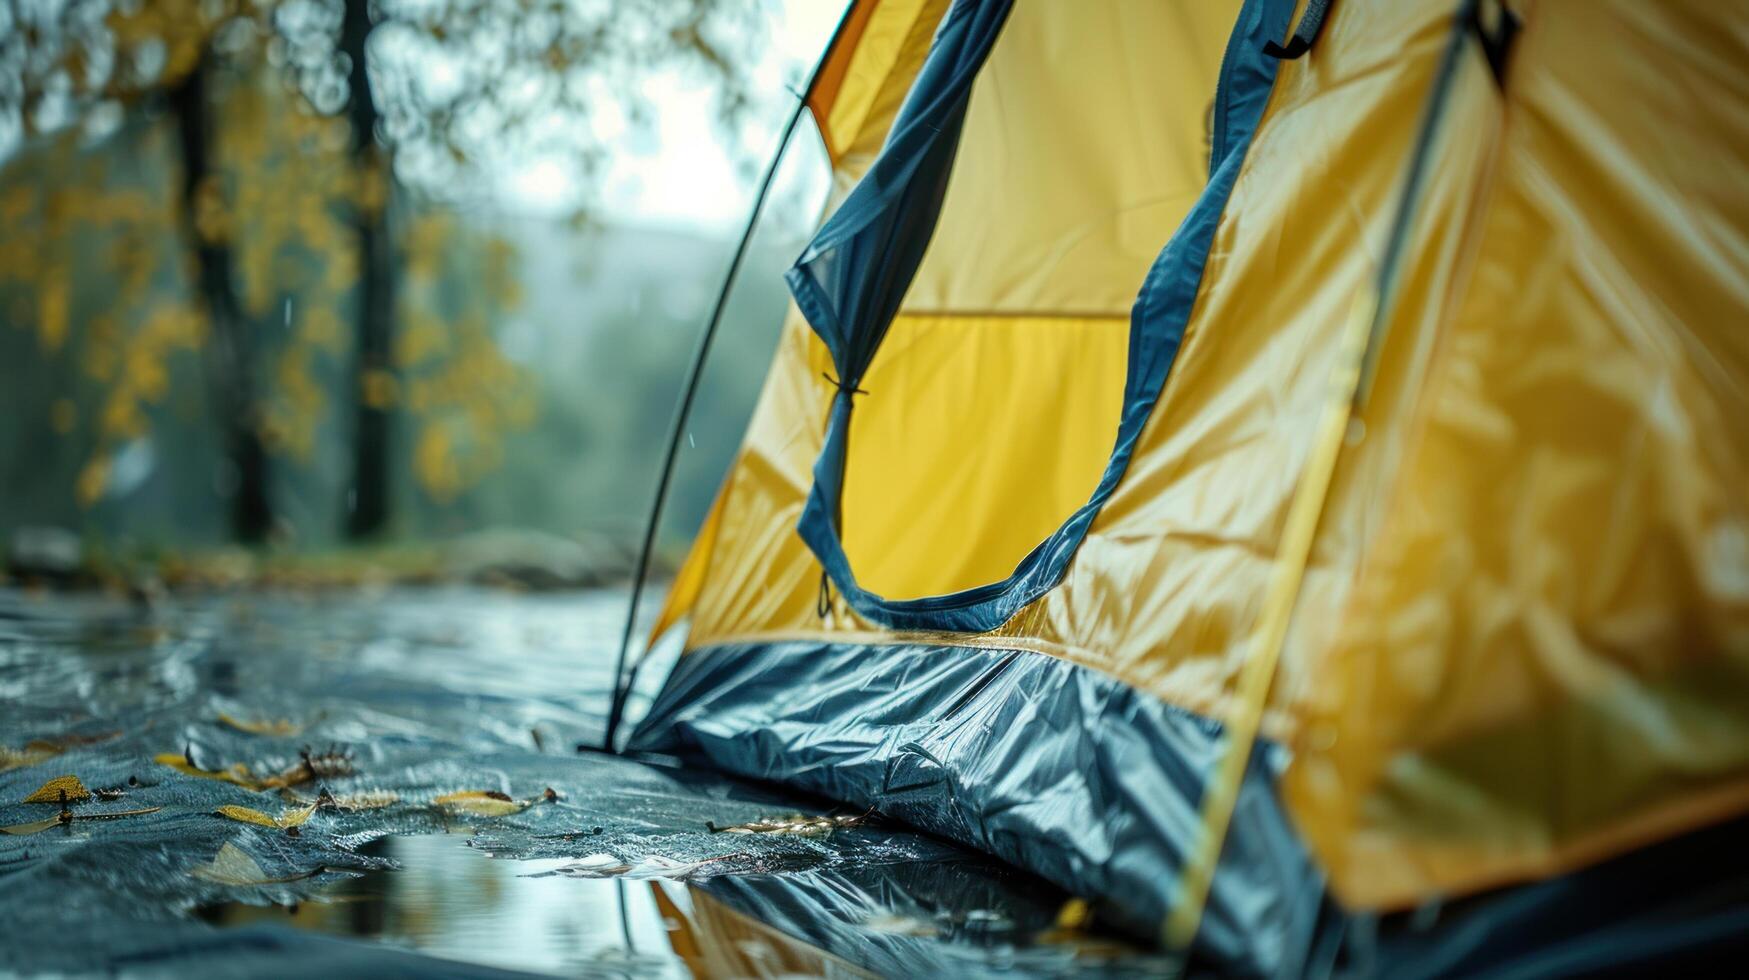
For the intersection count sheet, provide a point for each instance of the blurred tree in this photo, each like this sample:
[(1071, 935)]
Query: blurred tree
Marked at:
[(431, 99), (189, 99), (368, 503)]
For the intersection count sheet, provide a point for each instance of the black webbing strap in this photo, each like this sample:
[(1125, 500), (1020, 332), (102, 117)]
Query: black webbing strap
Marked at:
[(1496, 43), (1311, 22)]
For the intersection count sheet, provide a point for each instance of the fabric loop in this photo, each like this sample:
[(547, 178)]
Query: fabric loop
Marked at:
[(1311, 22), (823, 604), (1497, 43)]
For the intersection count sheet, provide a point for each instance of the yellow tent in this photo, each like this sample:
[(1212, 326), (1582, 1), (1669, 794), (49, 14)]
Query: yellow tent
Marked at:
[(1356, 390)]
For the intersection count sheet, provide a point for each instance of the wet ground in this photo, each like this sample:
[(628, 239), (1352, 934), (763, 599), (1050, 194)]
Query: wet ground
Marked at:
[(389, 784)]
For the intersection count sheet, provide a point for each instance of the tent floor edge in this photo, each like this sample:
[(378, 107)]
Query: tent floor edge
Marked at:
[(1050, 766), (1074, 776)]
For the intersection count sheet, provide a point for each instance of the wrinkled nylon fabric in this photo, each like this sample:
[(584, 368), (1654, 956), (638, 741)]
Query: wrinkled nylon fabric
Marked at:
[(850, 307), (1056, 768), (1536, 553), (1017, 319), (1085, 144), (851, 277), (1546, 657), (866, 79), (1002, 749)]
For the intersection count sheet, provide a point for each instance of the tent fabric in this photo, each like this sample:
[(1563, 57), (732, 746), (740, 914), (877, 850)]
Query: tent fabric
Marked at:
[(1521, 646), (1058, 769), (866, 75), (1016, 326), (1545, 659), (1038, 386), (1051, 766), (851, 278)]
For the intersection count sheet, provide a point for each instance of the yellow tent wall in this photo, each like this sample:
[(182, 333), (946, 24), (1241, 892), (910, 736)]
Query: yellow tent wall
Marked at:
[(1523, 639)]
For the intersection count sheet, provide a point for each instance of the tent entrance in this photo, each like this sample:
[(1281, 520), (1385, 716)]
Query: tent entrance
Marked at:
[(995, 396)]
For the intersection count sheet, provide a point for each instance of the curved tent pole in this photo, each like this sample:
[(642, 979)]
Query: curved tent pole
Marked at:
[(622, 685)]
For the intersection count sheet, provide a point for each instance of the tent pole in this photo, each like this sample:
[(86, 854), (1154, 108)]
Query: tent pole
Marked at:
[(621, 684)]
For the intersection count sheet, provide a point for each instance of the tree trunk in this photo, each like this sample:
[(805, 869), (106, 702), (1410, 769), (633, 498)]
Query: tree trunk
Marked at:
[(368, 504), (251, 511)]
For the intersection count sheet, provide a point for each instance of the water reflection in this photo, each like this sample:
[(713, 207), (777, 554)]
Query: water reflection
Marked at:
[(450, 900)]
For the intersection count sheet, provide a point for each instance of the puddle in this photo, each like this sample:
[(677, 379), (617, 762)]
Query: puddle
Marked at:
[(451, 901)]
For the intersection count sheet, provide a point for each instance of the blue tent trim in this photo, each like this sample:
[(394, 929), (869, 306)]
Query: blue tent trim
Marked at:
[(849, 281), (1048, 765)]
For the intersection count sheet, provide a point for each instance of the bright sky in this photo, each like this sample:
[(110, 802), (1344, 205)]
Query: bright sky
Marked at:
[(686, 175)]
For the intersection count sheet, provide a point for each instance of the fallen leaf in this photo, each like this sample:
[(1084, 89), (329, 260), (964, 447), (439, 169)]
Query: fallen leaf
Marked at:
[(67, 789), (370, 799), (37, 827), (231, 866), (237, 774), (654, 866), (40, 749), (30, 755), (116, 814), (480, 803), (1074, 915), (275, 726), (796, 825), (288, 818), (61, 743)]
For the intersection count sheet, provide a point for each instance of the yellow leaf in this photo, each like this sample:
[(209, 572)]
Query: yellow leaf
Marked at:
[(246, 815), (59, 789), (288, 818), (30, 755), (53, 303), (480, 803), (276, 726), (37, 827), (238, 774), (231, 867), (1075, 914), (93, 480)]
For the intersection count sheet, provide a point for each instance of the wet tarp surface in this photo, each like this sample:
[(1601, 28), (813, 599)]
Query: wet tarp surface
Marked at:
[(1043, 763), (183, 708)]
